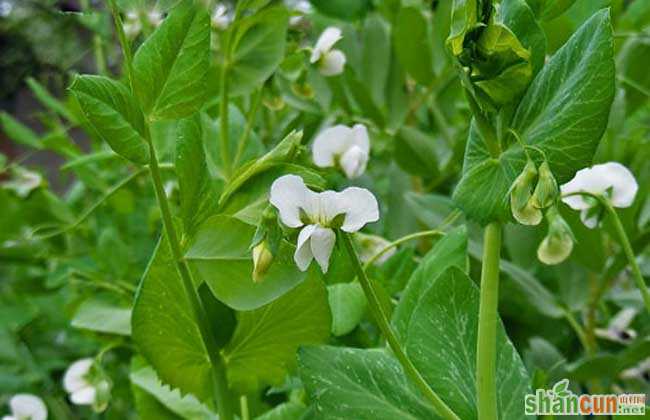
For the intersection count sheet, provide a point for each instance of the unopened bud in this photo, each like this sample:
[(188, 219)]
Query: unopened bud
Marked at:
[(558, 243), (262, 260), (521, 198), (546, 191)]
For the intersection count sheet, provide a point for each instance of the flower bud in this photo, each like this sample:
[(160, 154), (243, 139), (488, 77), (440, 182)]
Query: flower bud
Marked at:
[(262, 260), (546, 191), (521, 199), (558, 243)]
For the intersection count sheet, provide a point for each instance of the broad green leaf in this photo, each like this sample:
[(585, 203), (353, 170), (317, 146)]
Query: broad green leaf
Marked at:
[(563, 113), (171, 66), (257, 49), (236, 128), (163, 319), (198, 193), (450, 251), (263, 348), (348, 304), (220, 252), (348, 383), (415, 152), (187, 407), (465, 16), (100, 315), (412, 43), (441, 342), (114, 114), (149, 408), (342, 9), (375, 57), (550, 9), (283, 152), (19, 132), (286, 411), (630, 65)]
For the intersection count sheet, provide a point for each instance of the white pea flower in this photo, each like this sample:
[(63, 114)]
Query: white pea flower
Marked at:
[(132, 25), (319, 214), (155, 17), (330, 61), (640, 371), (618, 328), (23, 181), (611, 180), (221, 17), (84, 387), (26, 407), (343, 146), (300, 8)]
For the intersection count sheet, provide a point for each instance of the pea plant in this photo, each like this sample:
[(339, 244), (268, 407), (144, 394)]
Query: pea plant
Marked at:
[(331, 209)]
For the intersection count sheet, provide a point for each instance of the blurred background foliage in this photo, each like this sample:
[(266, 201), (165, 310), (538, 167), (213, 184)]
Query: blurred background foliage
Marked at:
[(77, 225)]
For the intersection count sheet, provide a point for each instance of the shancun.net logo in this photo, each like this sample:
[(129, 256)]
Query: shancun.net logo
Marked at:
[(561, 401)]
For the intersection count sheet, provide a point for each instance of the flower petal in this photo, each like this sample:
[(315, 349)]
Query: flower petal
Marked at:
[(598, 180), (303, 254), (330, 36), (360, 207), (360, 137), (28, 406), (622, 182), (589, 219), (322, 242), (84, 396), (329, 143), (332, 63), (75, 377), (353, 162), (289, 194)]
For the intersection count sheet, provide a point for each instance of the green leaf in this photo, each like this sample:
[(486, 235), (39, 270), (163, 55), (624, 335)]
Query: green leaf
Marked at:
[(441, 342), (563, 113), (114, 114), (342, 9), (257, 49), (415, 152), (550, 9), (413, 47), (198, 193), (268, 337), (220, 252), (19, 132), (285, 411), (350, 383), (171, 66), (464, 18), (163, 319), (46, 98), (187, 407), (100, 315), (348, 304), (565, 110), (375, 57), (450, 251)]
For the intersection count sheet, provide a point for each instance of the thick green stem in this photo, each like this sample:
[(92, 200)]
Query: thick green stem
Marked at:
[(221, 391), (629, 253), (487, 324), (243, 140), (382, 321)]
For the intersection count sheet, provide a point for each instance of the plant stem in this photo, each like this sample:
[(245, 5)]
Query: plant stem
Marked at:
[(224, 133), (487, 324), (580, 332), (243, 408), (100, 60), (484, 126), (243, 140), (384, 326), (629, 253), (221, 397), (124, 42)]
